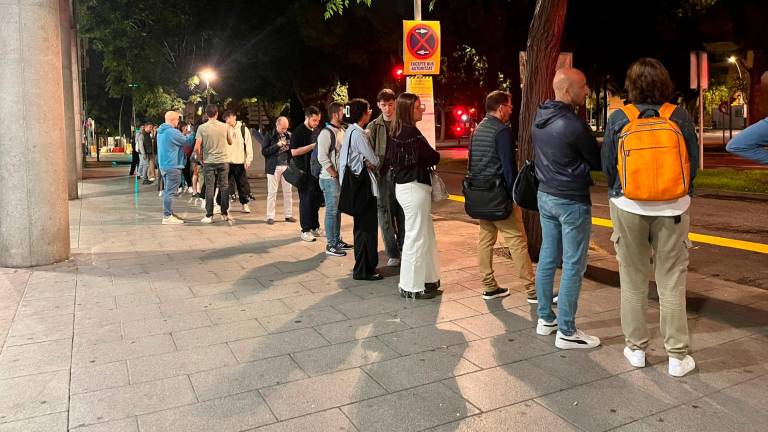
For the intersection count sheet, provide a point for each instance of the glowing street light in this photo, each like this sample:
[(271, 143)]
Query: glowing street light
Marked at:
[(208, 74), (734, 60)]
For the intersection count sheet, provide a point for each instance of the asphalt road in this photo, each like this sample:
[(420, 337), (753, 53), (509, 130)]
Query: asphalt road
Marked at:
[(735, 217)]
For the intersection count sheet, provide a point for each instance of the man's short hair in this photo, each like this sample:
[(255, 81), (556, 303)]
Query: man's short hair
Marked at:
[(227, 114), (311, 111), (357, 109), (334, 108), (496, 99), (648, 82), (385, 95), (211, 110)]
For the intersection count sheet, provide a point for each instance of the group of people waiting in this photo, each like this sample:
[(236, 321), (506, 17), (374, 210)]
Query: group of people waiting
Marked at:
[(649, 194), (380, 172)]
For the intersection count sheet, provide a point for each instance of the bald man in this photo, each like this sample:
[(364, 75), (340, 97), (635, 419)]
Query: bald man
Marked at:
[(566, 152), (276, 149), (171, 160)]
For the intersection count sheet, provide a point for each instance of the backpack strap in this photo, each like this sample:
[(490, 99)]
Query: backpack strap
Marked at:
[(666, 110), (631, 111)]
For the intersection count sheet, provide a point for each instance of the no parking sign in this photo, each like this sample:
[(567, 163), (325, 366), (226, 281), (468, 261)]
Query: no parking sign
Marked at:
[(421, 47)]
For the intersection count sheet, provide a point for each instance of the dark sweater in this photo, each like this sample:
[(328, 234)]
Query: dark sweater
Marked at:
[(302, 137), (411, 157)]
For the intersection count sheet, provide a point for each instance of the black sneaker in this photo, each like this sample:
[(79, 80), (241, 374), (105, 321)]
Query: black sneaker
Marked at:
[(344, 245), (497, 293), (424, 295), (431, 286), (290, 219), (332, 251)]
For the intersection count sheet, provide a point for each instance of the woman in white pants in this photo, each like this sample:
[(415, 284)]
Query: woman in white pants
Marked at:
[(411, 159)]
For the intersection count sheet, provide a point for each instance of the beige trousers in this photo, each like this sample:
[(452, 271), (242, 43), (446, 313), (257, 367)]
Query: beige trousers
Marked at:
[(513, 236), (634, 238)]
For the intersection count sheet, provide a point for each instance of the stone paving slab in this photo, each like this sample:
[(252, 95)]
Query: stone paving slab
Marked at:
[(246, 328)]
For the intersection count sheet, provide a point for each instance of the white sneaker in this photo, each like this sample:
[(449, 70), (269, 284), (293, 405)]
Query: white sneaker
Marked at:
[(172, 220), (635, 357), (316, 232), (207, 220), (307, 236), (546, 328), (393, 262), (246, 209), (678, 368), (227, 218), (578, 340), (190, 191)]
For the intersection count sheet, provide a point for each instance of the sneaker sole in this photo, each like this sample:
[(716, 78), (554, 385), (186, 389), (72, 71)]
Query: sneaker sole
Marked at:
[(566, 344), (485, 297), (173, 223), (334, 254)]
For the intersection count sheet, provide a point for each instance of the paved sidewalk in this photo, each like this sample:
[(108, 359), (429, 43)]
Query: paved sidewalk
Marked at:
[(246, 328)]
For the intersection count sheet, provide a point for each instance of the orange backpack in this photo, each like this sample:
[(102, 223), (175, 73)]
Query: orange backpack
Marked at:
[(653, 158)]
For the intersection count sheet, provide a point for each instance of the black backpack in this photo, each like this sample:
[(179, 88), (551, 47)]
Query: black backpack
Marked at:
[(314, 163), (526, 187)]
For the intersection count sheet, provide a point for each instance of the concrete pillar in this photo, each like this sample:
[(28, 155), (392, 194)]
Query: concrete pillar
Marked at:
[(65, 16), (78, 102), (34, 212)]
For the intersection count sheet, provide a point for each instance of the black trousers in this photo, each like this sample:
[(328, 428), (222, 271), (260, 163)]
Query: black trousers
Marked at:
[(187, 173), (134, 162), (239, 179), (309, 204), (366, 242)]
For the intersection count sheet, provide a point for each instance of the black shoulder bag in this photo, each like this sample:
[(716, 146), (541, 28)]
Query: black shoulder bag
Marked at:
[(526, 188), (485, 197), (355, 193)]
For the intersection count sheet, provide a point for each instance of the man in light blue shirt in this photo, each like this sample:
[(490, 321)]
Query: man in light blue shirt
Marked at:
[(171, 160)]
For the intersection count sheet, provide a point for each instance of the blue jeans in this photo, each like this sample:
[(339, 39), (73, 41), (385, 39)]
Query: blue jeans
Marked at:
[(330, 188), (565, 226), (751, 142), (171, 181)]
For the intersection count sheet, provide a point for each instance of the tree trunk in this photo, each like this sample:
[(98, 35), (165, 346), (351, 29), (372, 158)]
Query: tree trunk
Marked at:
[(543, 51), (758, 88)]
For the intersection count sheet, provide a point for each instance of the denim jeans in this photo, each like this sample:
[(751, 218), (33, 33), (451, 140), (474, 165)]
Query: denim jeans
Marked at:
[(171, 180), (330, 188), (565, 225)]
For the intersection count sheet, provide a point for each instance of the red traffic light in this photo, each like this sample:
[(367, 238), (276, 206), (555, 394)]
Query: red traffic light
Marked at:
[(458, 111), (458, 130), (397, 72)]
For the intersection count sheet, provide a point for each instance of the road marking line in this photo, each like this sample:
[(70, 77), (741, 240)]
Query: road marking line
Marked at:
[(699, 238)]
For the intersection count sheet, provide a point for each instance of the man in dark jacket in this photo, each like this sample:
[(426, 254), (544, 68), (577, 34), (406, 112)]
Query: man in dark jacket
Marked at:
[(493, 155), (565, 153), (276, 148)]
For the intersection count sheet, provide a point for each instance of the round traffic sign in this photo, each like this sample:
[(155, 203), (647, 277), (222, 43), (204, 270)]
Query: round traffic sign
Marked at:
[(422, 42), (723, 108)]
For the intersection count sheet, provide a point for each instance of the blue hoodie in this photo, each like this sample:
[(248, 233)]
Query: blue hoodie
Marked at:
[(170, 143)]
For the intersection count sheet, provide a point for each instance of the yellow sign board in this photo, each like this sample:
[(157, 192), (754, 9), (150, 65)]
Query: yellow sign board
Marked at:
[(421, 47), (421, 86)]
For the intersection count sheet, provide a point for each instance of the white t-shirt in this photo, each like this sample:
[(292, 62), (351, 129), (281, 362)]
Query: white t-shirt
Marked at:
[(674, 207)]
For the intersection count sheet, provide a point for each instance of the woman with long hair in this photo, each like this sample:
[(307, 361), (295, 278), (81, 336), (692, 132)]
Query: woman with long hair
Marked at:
[(412, 159)]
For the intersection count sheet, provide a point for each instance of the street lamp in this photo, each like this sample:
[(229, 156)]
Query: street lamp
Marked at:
[(208, 75), (734, 60)]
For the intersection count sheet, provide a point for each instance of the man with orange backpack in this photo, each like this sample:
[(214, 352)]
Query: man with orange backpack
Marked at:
[(650, 157)]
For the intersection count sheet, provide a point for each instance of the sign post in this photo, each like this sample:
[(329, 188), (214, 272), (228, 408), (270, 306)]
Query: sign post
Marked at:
[(421, 86), (700, 81)]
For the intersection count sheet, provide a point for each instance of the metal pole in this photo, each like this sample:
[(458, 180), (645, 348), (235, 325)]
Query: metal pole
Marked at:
[(208, 89), (701, 111), (417, 10)]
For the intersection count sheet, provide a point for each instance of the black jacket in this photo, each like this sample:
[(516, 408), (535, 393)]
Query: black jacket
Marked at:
[(565, 150), (411, 157), (270, 149)]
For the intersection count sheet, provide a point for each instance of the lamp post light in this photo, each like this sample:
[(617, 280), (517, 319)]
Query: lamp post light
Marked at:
[(734, 60), (208, 75)]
